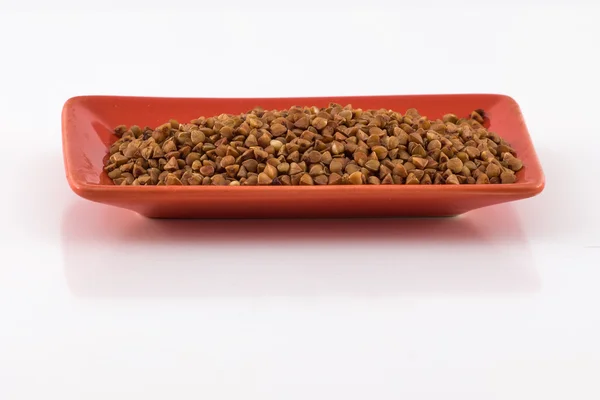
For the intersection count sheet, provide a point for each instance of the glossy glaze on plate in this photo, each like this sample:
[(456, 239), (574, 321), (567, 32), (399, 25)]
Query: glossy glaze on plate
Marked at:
[(88, 121)]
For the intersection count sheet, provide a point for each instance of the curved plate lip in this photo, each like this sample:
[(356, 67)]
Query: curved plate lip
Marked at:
[(83, 188)]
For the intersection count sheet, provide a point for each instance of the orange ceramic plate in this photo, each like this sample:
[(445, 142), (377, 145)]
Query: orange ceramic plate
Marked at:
[(87, 124)]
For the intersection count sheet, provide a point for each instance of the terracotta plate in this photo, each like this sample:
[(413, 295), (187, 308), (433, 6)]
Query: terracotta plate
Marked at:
[(87, 124)]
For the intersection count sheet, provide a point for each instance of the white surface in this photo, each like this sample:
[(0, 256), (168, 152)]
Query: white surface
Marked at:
[(98, 303)]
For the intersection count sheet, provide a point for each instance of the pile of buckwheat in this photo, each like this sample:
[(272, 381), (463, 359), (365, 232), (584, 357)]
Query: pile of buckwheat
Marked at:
[(313, 146)]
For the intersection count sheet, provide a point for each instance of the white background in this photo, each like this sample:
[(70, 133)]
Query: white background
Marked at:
[(99, 303)]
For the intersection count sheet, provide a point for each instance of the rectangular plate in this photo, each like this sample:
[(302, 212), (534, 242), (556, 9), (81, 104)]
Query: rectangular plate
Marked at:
[(88, 122)]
